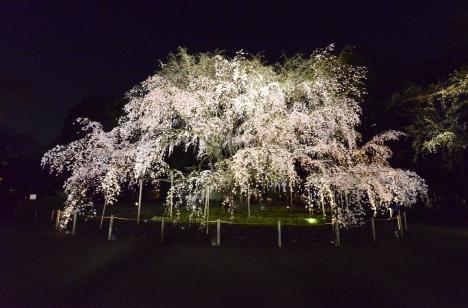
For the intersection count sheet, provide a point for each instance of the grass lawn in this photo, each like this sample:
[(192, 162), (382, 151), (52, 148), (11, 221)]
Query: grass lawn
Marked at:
[(261, 213), (44, 268)]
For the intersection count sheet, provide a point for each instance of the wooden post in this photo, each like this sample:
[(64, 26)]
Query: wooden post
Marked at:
[(279, 234), (52, 216), (218, 232), (57, 219), (204, 211), (291, 204), (373, 228), (405, 223), (310, 203), (337, 234), (111, 223), (139, 201), (400, 229), (332, 202), (248, 202), (207, 209), (162, 230), (74, 223), (171, 199), (207, 204), (35, 212), (102, 215), (322, 202)]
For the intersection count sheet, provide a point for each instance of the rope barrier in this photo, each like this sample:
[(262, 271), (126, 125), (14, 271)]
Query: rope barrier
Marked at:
[(122, 218), (108, 217), (334, 223), (268, 224), (223, 221), (386, 219), (246, 223)]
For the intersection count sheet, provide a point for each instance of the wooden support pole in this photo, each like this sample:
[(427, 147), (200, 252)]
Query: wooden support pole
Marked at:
[(162, 230), (322, 202), (280, 244), (405, 222), (204, 211), (337, 234), (218, 232), (171, 197), (346, 199), (248, 202), (57, 219), (291, 204), (139, 201), (332, 203), (102, 215), (207, 209), (373, 229), (111, 223), (310, 203), (74, 224), (52, 216), (400, 229), (207, 204)]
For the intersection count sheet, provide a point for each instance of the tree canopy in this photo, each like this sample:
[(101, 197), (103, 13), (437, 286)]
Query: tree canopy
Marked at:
[(253, 128), (438, 116)]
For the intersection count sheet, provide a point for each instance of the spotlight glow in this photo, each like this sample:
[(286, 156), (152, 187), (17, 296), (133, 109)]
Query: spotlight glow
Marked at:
[(312, 220)]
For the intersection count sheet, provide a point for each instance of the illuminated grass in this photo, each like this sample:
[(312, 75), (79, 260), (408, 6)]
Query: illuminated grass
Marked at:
[(261, 214), (259, 217)]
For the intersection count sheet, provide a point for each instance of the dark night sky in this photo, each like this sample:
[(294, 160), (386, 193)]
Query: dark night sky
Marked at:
[(55, 54)]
